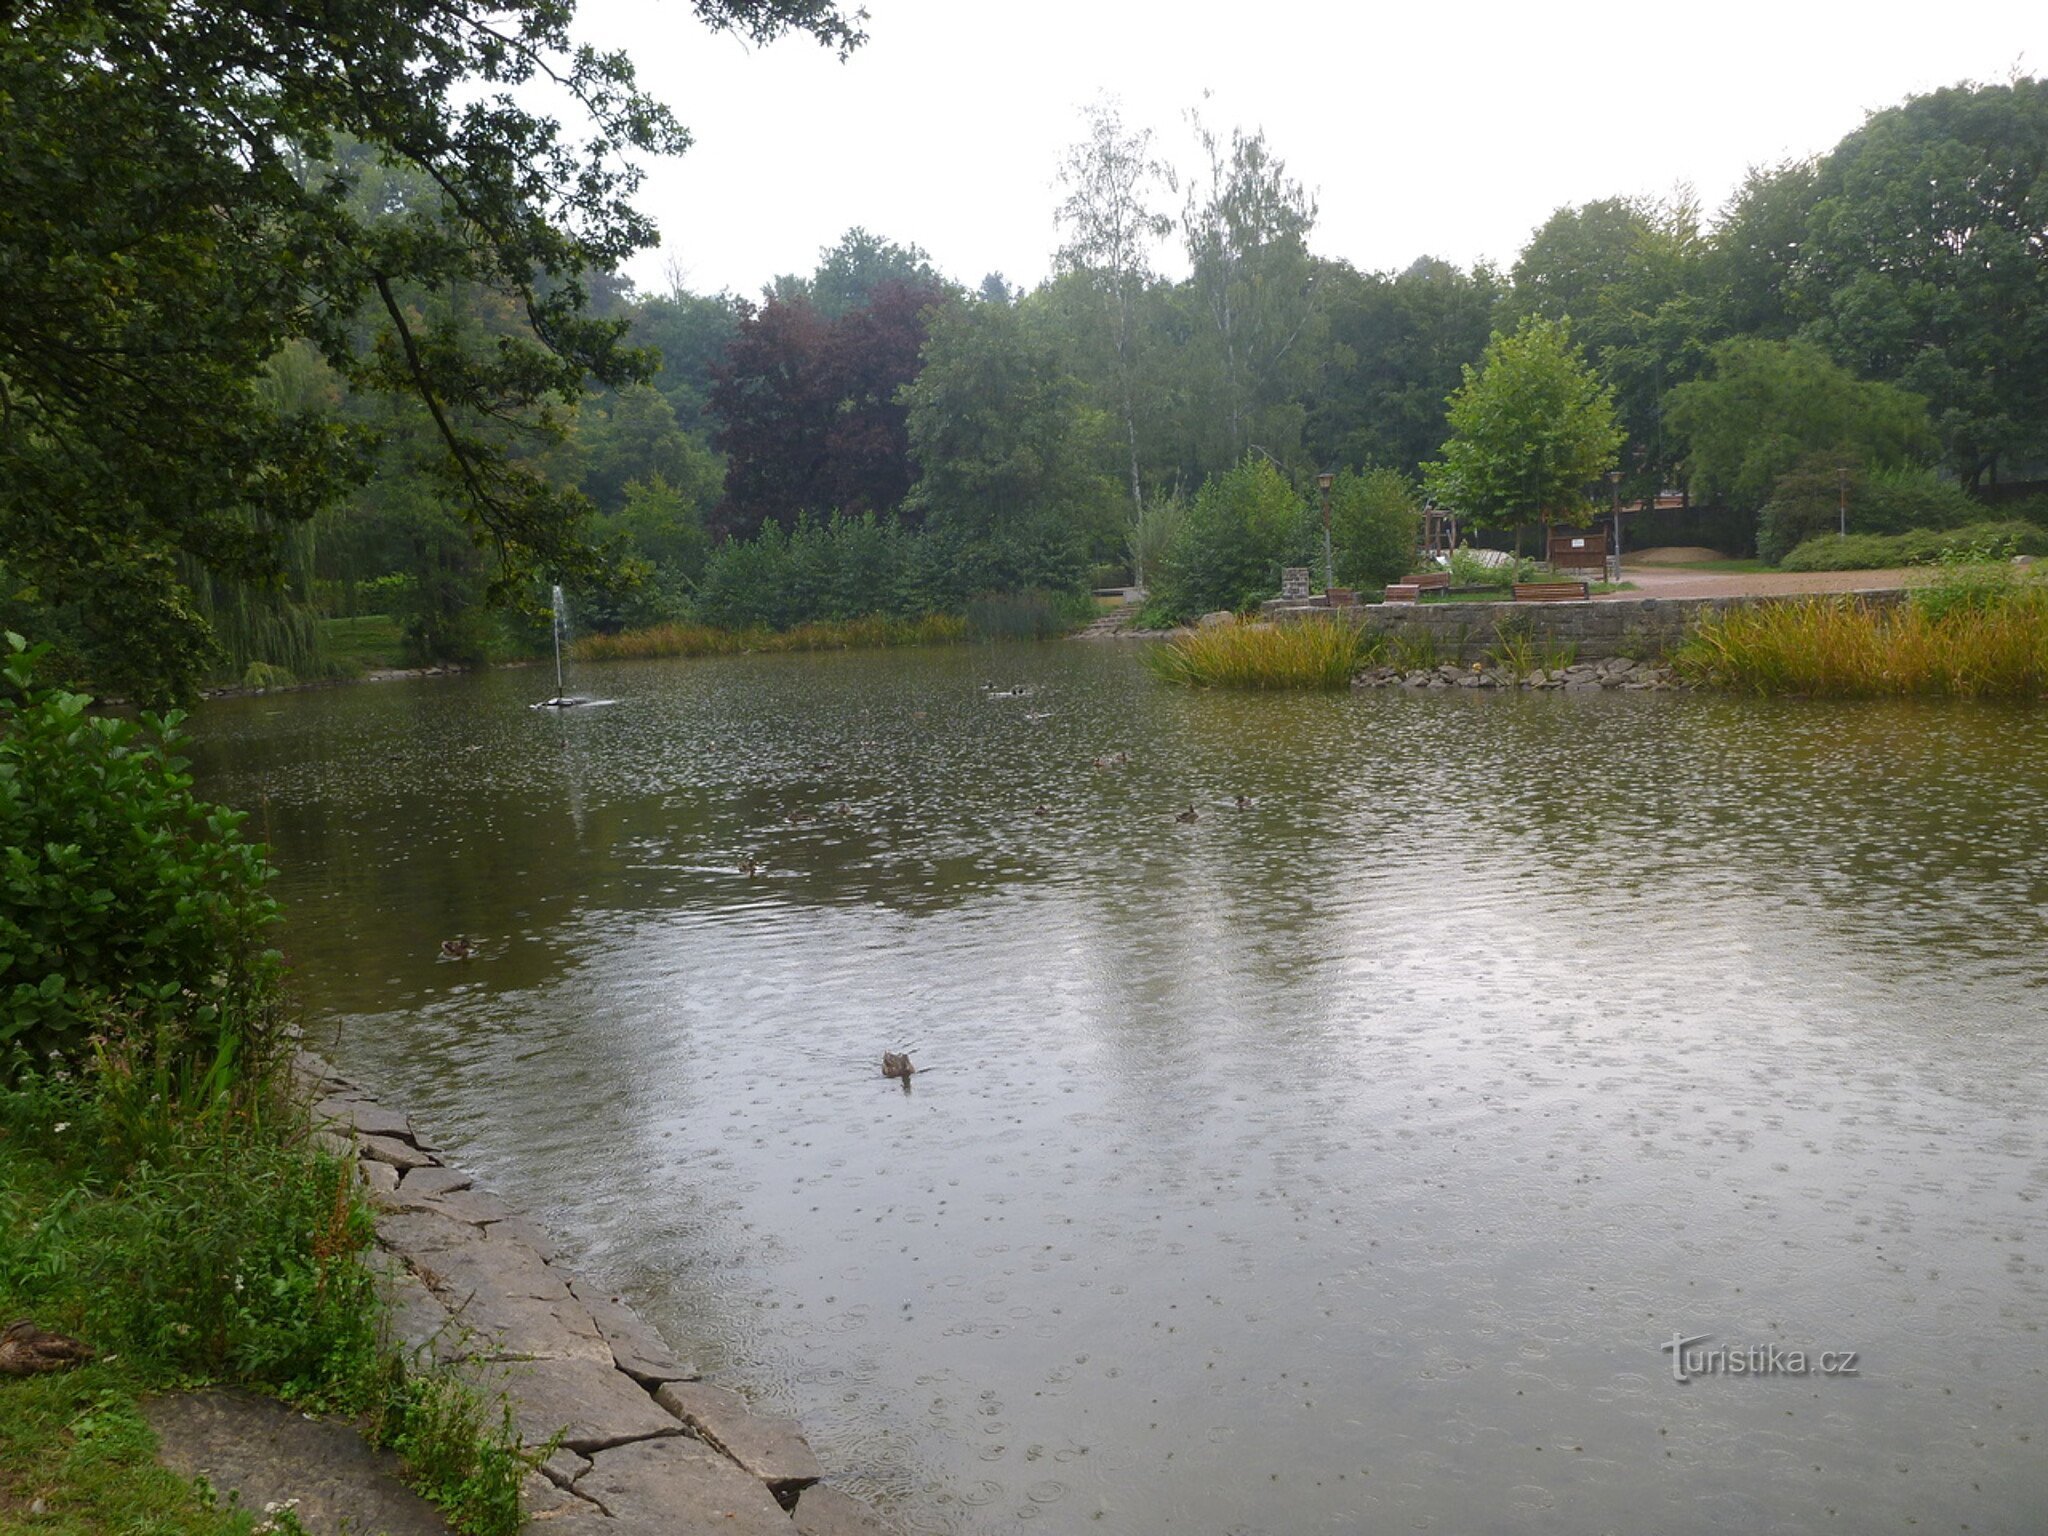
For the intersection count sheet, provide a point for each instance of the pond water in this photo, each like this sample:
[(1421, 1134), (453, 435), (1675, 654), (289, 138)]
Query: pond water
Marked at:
[(1336, 1163)]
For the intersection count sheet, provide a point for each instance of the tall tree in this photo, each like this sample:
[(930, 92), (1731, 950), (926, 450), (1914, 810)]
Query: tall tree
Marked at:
[(1111, 178), (1927, 264), (1531, 428), (1005, 448), (1246, 226), (1397, 348), (178, 208), (1768, 404), (810, 410)]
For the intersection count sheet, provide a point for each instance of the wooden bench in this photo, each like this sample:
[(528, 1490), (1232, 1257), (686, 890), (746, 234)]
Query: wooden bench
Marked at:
[(1429, 581), (1403, 592), (1551, 592)]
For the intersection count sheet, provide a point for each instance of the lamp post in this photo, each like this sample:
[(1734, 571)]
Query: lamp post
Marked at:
[(1842, 499), (1614, 490), (1323, 483)]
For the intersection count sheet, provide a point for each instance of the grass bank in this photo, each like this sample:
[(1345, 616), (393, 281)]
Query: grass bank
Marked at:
[(1311, 654), (704, 640), (1841, 648), (1919, 546), (160, 1195)]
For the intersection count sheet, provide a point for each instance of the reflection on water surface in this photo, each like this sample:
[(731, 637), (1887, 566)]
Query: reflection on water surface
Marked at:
[(1337, 1163)]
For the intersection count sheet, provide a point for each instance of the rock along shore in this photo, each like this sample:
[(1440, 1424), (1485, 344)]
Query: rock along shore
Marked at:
[(647, 1448), (1615, 672)]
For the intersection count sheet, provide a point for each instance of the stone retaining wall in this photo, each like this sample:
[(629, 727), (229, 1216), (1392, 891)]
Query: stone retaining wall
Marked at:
[(1637, 627), (646, 1445)]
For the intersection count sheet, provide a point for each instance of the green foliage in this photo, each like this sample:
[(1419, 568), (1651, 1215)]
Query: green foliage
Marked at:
[(1314, 654), (457, 1455), (867, 634), (1771, 404), (1975, 575), (77, 1440), (1922, 263), (1530, 428), (1841, 648), (1006, 449), (1807, 502), (132, 913), (844, 568), (1151, 534), (1918, 546), (1468, 570), (1375, 526), (1244, 526), (184, 201), (1028, 615)]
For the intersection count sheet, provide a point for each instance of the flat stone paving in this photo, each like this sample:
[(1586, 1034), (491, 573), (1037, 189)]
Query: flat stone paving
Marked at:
[(265, 1455), (643, 1445)]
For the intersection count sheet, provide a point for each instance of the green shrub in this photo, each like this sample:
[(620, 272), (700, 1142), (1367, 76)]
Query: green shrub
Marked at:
[(1919, 546), (1806, 503), (1376, 526), (132, 914), (1028, 615), (1244, 526)]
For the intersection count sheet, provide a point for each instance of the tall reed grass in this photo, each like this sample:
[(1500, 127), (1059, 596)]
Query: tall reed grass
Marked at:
[(1315, 653), (704, 640), (1842, 648)]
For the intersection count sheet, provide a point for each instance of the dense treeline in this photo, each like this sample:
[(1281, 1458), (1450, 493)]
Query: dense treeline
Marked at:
[(875, 437)]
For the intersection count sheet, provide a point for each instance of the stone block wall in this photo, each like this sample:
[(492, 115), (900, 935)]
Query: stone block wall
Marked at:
[(1637, 627)]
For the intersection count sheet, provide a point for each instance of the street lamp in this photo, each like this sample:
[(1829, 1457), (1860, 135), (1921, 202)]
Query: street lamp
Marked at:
[(1323, 483), (1614, 490), (1842, 497)]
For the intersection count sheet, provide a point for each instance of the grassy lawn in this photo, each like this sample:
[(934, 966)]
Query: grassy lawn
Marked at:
[(365, 643), (76, 1459)]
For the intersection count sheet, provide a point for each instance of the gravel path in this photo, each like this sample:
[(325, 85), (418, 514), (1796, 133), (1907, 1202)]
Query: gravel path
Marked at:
[(1653, 581)]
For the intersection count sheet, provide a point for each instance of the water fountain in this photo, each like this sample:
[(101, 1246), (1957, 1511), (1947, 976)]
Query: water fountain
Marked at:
[(562, 699)]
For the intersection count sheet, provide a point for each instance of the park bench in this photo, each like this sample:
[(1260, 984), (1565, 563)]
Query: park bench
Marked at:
[(1403, 592), (1430, 581), (1550, 591)]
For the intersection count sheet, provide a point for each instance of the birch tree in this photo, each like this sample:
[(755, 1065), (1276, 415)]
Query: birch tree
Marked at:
[(1111, 178)]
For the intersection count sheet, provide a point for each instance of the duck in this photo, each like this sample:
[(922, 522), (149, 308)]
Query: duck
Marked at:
[(1190, 814), (750, 867), (1043, 810), (896, 1064), (1244, 802), (26, 1350), (457, 948)]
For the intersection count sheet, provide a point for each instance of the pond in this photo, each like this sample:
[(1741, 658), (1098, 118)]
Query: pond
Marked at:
[(1348, 1160)]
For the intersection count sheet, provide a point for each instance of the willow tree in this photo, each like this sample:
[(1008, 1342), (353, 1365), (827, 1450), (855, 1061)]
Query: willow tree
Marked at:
[(182, 203)]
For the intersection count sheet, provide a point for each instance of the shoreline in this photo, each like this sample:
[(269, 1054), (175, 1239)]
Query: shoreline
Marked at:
[(638, 1440)]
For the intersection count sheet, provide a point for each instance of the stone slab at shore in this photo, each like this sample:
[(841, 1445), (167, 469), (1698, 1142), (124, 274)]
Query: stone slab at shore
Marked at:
[(646, 1447)]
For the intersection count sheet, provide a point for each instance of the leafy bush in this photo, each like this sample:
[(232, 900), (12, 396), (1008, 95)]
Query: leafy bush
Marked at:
[(1921, 546), (132, 913), (1028, 615), (1470, 569), (1244, 526), (1375, 525), (1806, 502)]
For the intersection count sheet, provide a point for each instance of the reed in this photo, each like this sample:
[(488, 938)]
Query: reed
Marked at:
[(705, 640), (1842, 648), (1315, 653)]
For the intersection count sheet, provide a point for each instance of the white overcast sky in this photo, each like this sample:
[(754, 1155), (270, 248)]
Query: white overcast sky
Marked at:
[(1450, 130)]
